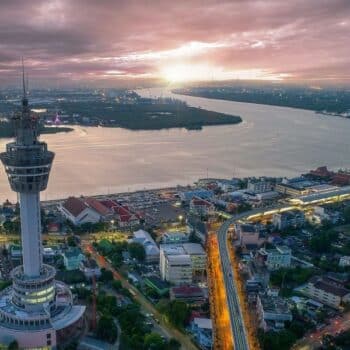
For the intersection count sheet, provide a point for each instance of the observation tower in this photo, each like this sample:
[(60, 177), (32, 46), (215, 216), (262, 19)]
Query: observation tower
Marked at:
[(36, 311)]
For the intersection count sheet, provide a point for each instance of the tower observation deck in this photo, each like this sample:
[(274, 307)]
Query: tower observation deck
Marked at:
[(37, 311)]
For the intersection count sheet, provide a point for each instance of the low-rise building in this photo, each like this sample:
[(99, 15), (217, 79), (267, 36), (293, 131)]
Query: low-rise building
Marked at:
[(327, 291), (249, 235), (344, 261), (90, 268), (78, 212), (277, 258), (175, 237), (148, 243), (201, 206), (189, 294), (202, 329), (257, 186), (155, 283), (72, 258), (292, 218), (273, 312)]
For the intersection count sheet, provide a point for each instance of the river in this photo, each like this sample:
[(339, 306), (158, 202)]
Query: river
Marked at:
[(271, 140)]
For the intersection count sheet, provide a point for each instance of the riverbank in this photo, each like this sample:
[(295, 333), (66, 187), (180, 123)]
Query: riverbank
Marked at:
[(6, 130), (329, 102)]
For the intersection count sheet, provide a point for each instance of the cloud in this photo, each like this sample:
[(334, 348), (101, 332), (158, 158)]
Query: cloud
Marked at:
[(86, 40)]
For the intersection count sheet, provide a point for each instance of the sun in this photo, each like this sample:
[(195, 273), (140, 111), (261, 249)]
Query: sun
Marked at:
[(183, 73)]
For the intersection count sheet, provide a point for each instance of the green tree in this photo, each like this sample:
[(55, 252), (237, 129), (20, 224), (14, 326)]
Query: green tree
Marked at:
[(173, 344), (153, 341), (137, 251), (13, 345), (347, 214), (106, 275), (107, 329)]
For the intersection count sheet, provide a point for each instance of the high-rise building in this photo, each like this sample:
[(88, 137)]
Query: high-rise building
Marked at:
[(36, 311)]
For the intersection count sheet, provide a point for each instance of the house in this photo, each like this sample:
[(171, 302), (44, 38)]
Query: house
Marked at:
[(72, 258), (98, 206), (148, 243), (273, 312), (249, 235), (90, 268), (78, 212), (327, 291), (201, 206), (202, 330), (123, 215)]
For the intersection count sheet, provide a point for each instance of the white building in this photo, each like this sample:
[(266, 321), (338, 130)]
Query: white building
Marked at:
[(150, 246), (188, 264), (78, 212), (198, 257), (201, 206), (327, 291), (259, 186), (202, 329), (344, 261)]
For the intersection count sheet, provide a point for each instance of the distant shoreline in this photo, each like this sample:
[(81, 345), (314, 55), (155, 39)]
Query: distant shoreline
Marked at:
[(218, 96)]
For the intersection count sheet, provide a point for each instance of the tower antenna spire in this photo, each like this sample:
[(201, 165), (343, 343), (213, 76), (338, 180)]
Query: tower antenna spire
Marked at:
[(23, 80)]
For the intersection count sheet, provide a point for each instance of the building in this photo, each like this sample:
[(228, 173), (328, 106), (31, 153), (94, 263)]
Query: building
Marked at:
[(175, 265), (299, 186), (201, 207), (344, 261), (155, 283), (324, 214), (198, 257), (192, 295), (72, 258), (249, 235), (78, 212), (123, 216), (182, 263), (189, 195), (175, 237), (272, 312), (293, 218), (202, 330), (90, 268), (37, 311), (259, 186), (150, 246), (327, 291), (277, 258)]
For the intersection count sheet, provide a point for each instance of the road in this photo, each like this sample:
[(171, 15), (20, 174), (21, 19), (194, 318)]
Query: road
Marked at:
[(314, 340), (238, 328), (147, 307)]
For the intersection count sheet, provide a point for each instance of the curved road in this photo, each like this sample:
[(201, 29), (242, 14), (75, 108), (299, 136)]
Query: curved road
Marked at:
[(239, 332)]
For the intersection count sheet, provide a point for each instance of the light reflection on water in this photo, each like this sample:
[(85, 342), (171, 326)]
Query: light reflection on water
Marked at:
[(270, 141)]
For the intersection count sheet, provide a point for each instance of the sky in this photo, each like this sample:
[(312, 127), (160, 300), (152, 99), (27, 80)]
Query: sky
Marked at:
[(110, 42)]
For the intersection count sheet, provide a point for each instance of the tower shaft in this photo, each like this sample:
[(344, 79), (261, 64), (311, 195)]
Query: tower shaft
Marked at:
[(30, 233)]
